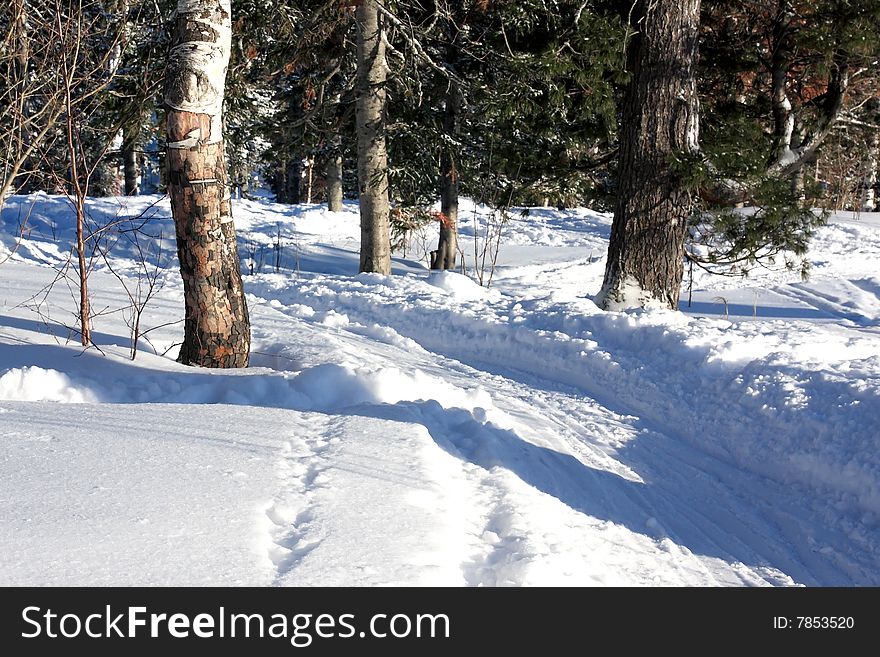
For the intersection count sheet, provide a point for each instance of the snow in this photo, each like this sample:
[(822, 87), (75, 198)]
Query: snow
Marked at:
[(628, 295), (420, 429)]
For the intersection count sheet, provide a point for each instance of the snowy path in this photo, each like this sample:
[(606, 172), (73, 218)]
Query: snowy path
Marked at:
[(634, 480)]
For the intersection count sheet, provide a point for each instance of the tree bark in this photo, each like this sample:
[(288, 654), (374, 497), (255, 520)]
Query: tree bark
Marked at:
[(447, 246), (130, 166), (334, 180), (372, 156), (216, 324), (660, 122), (869, 193), (783, 116), (798, 179)]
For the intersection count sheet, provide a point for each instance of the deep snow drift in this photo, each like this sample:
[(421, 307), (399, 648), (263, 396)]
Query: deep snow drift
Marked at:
[(421, 429)]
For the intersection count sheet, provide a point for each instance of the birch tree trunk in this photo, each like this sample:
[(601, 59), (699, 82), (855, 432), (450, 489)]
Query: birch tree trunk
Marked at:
[(783, 116), (216, 325), (372, 156), (869, 193), (660, 121)]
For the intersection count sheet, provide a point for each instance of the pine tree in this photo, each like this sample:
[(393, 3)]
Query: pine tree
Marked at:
[(504, 102), (659, 124), (778, 80)]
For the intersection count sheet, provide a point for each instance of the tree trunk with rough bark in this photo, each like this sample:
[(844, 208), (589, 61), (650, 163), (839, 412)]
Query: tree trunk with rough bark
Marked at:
[(659, 123), (447, 246), (372, 156), (216, 325)]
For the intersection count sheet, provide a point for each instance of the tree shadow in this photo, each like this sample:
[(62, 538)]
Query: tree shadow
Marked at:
[(57, 330), (741, 310), (689, 498)]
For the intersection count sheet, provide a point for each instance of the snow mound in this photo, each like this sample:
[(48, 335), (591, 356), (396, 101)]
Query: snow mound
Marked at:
[(38, 384), (333, 387), (460, 287)]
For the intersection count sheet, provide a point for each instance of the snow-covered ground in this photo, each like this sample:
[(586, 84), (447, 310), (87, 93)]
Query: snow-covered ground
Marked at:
[(421, 429)]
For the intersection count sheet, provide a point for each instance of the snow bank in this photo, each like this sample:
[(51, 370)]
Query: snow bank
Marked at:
[(38, 384), (459, 287)]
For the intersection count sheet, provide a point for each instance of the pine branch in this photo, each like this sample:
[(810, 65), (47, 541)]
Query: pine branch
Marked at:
[(417, 47)]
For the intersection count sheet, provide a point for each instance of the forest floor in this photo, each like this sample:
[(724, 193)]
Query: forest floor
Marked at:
[(420, 429)]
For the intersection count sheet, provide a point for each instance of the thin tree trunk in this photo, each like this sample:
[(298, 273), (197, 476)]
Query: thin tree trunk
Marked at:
[(78, 189), (783, 116), (869, 194), (281, 181), (130, 161), (798, 180), (19, 84), (79, 196), (287, 180), (447, 246), (216, 324), (868, 202), (293, 179), (659, 123), (333, 170), (293, 171), (334, 180), (310, 178), (372, 156)]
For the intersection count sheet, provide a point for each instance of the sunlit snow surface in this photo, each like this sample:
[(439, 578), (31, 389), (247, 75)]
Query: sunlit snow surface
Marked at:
[(421, 429)]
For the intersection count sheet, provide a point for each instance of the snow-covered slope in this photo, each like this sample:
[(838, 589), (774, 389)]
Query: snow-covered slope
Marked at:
[(421, 429)]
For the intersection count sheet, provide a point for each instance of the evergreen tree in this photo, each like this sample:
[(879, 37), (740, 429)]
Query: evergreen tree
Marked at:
[(503, 102), (659, 124), (778, 80)]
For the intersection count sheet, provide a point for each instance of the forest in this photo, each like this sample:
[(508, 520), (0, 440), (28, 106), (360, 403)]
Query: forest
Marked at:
[(670, 117), (417, 292)]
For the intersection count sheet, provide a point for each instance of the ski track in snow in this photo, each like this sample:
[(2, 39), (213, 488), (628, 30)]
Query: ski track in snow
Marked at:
[(589, 479), (694, 520)]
